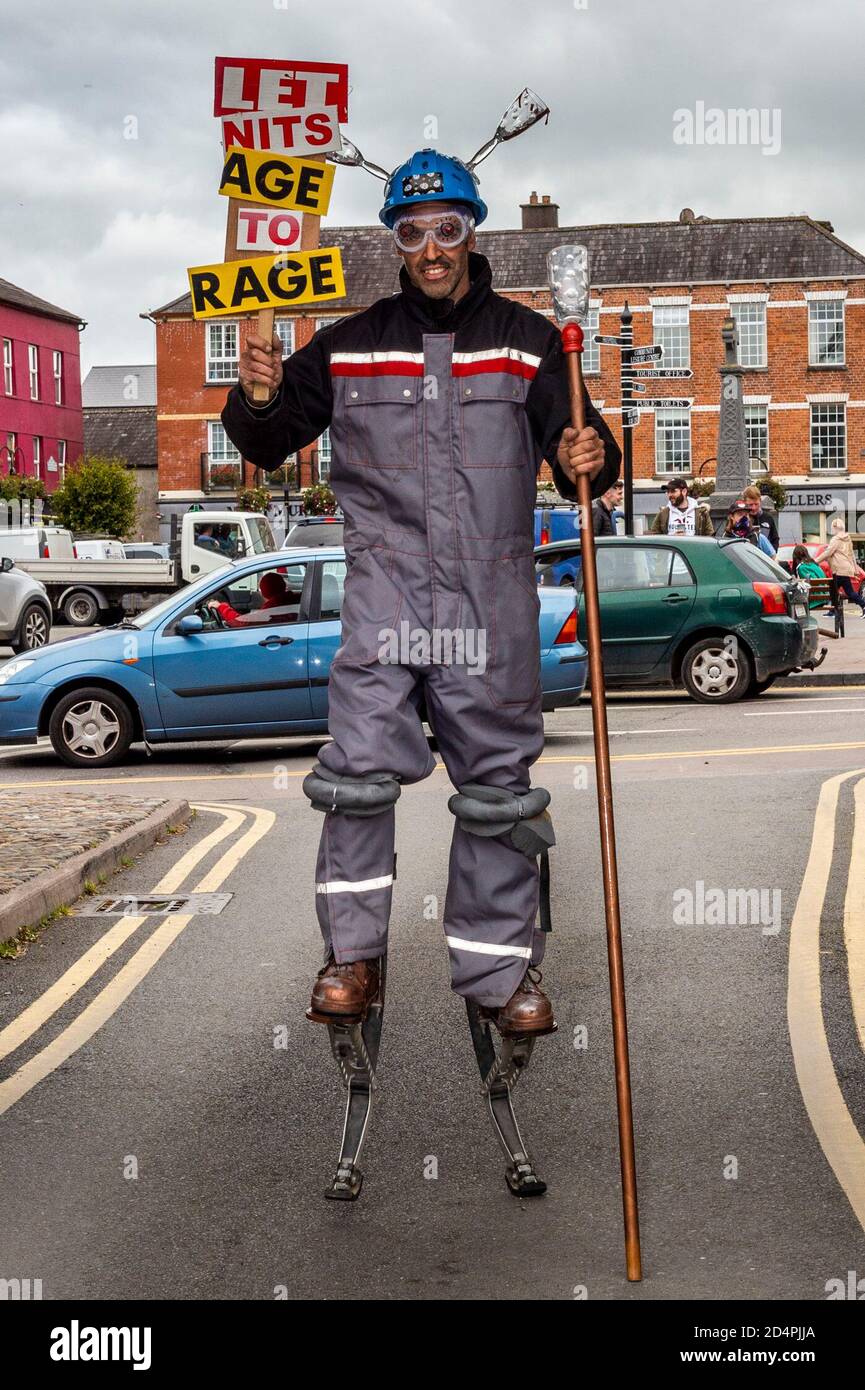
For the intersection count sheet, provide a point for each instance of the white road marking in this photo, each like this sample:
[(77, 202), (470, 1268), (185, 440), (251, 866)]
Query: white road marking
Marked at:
[(671, 729), (773, 714)]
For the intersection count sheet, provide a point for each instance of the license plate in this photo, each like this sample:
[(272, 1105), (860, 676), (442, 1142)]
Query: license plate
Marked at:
[(800, 610)]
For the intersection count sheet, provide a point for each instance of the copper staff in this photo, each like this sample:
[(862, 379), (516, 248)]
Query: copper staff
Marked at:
[(569, 281)]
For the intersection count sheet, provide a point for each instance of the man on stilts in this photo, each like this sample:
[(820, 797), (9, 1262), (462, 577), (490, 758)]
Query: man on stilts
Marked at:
[(441, 402)]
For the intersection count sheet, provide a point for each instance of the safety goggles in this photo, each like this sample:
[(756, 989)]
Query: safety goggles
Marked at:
[(447, 229)]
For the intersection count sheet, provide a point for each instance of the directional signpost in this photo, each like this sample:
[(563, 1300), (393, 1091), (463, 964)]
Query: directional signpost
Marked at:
[(637, 367), (668, 373)]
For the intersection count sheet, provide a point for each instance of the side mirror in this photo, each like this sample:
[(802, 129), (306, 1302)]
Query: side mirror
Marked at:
[(6, 564), (239, 548), (189, 624)]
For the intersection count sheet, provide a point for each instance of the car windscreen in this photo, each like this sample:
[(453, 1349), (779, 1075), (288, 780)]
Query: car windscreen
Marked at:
[(753, 563), (153, 614), (261, 537), (324, 533)]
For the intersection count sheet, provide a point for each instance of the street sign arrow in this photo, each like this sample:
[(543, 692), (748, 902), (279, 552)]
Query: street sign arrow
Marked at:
[(668, 373), (611, 342), (633, 386), (630, 418), (675, 402), (646, 354)]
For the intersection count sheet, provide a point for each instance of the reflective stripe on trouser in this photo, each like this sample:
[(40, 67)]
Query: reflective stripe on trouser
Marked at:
[(492, 896)]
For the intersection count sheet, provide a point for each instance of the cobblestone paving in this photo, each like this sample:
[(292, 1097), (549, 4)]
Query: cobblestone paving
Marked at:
[(39, 830)]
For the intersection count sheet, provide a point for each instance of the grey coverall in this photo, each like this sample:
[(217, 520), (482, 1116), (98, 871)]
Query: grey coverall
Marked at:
[(439, 415)]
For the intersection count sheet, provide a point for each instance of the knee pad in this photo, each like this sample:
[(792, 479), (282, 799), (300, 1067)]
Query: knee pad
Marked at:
[(486, 810), (355, 796)]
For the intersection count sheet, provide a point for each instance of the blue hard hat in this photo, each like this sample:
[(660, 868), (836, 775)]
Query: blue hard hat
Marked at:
[(430, 177)]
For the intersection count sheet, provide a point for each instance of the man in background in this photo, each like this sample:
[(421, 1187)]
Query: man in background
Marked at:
[(682, 516), (604, 509), (761, 521)]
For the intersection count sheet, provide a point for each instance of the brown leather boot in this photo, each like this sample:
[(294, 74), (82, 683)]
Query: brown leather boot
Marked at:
[(342, 993), (528, 1012)]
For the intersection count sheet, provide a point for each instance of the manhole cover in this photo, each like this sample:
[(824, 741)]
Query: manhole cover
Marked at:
[(154, 904)]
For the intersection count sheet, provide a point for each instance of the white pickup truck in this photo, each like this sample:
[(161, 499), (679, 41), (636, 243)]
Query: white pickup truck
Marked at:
[(84, 592)]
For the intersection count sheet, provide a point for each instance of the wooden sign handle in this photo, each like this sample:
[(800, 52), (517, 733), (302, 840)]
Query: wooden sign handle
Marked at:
[(309, 240), (264, 329)]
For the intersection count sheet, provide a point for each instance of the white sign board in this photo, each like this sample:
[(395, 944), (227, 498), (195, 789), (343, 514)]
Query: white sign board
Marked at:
[(314, 130), (267, 229)]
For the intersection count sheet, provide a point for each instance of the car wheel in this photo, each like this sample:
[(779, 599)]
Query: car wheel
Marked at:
[(81, 610), (91, 727), (717, 671), (33, 630)]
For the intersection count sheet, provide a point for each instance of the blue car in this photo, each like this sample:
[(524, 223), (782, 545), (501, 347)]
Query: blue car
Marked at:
[(244, 652)]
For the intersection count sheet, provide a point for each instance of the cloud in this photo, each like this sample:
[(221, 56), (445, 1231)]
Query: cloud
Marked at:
[(106, 225)]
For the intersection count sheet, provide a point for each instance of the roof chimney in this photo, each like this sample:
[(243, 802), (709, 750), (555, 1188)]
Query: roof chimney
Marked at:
[(539, 215)]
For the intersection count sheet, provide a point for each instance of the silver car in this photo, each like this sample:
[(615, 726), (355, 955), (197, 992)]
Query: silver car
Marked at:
[(25, 612)]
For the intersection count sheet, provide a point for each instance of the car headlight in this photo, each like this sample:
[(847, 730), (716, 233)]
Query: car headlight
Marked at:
[(14, 668)]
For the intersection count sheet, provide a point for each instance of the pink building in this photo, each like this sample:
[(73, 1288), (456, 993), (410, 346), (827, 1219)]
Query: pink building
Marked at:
[(41, 429)]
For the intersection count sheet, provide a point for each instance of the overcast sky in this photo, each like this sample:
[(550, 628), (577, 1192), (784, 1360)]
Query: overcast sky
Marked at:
[(105, 226)]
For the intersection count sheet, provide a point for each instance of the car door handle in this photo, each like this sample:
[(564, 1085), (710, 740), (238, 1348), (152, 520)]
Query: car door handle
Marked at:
[(275, 641), (675, 598)]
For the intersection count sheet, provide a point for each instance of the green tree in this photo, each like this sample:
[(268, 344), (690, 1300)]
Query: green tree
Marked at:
[(97, 494)]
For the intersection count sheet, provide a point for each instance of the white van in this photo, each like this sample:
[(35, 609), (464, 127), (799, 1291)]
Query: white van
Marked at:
[(99, 548), (36, 543)]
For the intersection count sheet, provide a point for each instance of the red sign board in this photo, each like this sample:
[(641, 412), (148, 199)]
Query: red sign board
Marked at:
[(271, 84)]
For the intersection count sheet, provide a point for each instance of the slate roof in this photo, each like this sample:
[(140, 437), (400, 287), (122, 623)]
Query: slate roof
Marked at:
[(107, 386), (708, 251), (127, 432), (23, 299)]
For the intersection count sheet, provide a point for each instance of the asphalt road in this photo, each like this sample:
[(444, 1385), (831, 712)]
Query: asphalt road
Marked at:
[(159, 1141)]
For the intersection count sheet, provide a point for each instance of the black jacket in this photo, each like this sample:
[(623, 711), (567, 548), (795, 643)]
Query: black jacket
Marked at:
[(602, 520), (480, 322)]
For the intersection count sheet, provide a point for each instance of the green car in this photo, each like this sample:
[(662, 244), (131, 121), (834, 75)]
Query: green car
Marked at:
[(717, 616)]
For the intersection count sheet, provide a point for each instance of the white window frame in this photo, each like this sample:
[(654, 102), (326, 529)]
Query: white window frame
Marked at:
[(284, 328), (819, 318), (751, 350), (753, 425), (33, 369), (58, 377), (220, 450), (37, 456), (591, 349), (8, 367), (221, 365), (325, 455), (61, 458), (818, 408), (671, 327), (664, 421)]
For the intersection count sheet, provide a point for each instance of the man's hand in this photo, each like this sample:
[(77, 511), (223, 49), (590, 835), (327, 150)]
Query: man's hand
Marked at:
[(260, 364), (581, 451)]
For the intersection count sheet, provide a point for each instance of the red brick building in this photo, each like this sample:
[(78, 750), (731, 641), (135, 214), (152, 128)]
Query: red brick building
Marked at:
[(41, 428), (797, 293)]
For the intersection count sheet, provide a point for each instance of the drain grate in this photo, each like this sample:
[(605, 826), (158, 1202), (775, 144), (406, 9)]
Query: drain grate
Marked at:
[(154, 904)]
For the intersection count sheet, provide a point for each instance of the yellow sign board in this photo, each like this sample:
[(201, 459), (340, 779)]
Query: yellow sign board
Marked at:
[(266, 282), (280, 180)]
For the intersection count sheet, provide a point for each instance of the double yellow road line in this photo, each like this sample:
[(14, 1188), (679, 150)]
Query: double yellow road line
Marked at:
[(109, 999), (833, 1124)]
